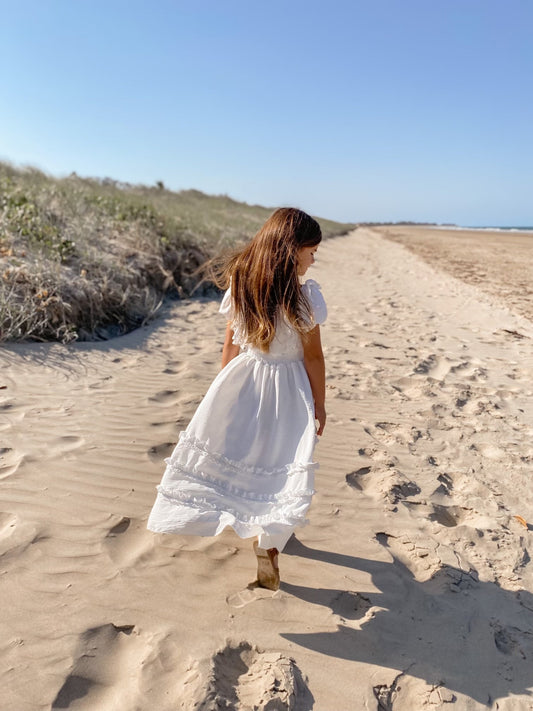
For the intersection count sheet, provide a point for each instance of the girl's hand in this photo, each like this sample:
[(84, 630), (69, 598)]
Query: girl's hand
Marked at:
[(320, 415)]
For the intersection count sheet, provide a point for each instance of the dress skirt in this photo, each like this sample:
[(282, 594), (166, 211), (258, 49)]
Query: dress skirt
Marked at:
[(245, 460)]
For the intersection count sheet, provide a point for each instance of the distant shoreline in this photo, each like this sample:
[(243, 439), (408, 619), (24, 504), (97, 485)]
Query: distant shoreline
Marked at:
[(445, 226), (484, 229)]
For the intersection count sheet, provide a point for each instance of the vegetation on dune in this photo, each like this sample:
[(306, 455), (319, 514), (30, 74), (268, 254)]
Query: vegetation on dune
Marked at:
[(88, 259)]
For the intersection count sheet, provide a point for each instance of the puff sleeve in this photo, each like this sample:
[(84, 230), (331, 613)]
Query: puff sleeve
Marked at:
[(227, 310), (311, 290), (226, 307)]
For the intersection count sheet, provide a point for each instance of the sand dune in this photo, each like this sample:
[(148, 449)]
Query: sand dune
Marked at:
[(411, 588)]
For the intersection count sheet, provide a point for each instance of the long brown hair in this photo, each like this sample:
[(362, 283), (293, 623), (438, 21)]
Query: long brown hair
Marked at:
[(264, 276)]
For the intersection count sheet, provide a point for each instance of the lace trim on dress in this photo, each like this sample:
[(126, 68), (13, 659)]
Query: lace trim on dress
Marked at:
[(191, 442), (202, 503), (223, 488)]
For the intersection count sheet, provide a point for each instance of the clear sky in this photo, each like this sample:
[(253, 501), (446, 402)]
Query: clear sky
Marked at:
[(350, 109)]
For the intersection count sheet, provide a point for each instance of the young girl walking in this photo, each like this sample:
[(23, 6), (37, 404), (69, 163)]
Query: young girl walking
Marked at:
[(245, 460)]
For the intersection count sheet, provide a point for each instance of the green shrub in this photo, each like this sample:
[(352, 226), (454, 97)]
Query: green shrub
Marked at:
[(86, 259)]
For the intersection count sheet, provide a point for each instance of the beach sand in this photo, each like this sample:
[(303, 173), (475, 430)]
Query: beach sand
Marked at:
[(412, 585), (498, 262)]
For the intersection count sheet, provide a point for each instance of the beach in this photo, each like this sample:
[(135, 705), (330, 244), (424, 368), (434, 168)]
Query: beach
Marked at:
[(412, 585), (497, 261)]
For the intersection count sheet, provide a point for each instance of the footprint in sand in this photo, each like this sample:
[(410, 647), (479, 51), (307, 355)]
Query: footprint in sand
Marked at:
[(379, 456), (10, 461), (438, 566), (490, 451), (128, 542), (379, 483), (405, 692), (16, 535), (11, 412), (158, 452), (402, 490), (103, 384), (434, 367), (450, 516), (175, 367), (180, 423), (352, 607), (6, 405), (68, 443), (103, 668), (445, 484), (513, 641), (509, 333), (417, 553), (387, 432), (354, 479), (166, 423), (166, 397), (251, 593), (243, 677), (392, 433)]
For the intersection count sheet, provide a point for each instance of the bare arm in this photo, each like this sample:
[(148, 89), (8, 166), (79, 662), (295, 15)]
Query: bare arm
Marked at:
[(316, 371), (229, 349)]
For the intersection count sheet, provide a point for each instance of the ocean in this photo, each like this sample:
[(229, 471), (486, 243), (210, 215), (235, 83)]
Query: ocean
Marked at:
[(487, 228)]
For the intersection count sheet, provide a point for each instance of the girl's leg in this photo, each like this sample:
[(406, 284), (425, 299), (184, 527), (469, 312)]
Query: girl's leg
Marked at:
[(267, 567)]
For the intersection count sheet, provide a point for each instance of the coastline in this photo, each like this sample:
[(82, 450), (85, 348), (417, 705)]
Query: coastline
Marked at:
[(468, 228)]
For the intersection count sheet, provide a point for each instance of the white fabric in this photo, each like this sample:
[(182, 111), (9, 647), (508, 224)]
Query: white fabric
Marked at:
[(245, 460)]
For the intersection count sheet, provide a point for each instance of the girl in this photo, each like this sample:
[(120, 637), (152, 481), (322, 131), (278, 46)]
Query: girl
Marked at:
[(245, 460)]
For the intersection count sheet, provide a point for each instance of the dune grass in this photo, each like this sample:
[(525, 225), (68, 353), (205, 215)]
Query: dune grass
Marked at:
[(87, 259)]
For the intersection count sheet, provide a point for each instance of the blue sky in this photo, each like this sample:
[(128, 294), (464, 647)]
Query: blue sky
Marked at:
[(352, 110)]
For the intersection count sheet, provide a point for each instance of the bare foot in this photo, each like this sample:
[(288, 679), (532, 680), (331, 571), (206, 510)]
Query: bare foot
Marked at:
[(267, 567)]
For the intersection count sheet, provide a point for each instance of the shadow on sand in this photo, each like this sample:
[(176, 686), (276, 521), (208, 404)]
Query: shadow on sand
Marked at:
[(473, 637)]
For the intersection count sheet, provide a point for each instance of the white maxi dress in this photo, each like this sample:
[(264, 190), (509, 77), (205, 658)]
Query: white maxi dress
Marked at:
[(246, 458)]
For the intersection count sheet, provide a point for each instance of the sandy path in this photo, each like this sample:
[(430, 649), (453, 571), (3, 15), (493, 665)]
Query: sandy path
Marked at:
[(411, 588)]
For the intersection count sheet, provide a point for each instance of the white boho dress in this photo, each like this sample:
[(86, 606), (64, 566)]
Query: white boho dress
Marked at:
[(245, 460)]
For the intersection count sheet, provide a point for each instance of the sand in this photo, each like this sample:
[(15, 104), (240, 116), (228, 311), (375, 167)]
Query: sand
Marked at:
[(411, 588), (499, 263)]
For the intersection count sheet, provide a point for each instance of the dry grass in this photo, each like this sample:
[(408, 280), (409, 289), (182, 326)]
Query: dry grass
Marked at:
[(88, 259)]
